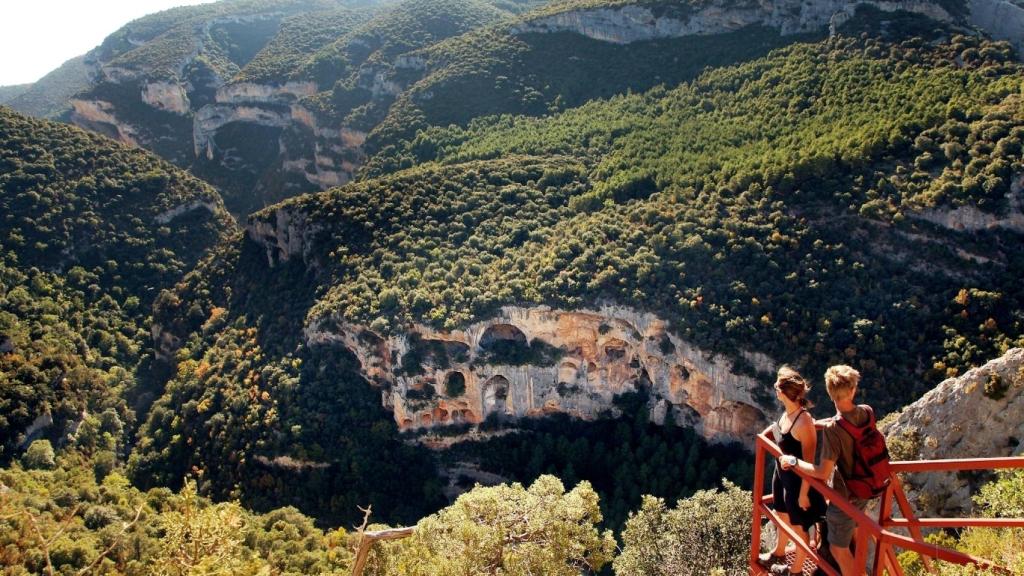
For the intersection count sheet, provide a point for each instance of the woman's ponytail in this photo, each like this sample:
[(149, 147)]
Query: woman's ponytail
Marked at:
[(793, 385)]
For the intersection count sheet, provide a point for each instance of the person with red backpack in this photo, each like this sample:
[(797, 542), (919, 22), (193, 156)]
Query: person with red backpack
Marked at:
[(854, 448)]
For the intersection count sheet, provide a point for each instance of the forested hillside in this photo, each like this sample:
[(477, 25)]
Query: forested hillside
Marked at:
[(786, 204), (92, 231), (803, 204), (561, 246)]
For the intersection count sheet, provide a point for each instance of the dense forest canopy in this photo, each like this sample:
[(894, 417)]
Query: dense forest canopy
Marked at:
[(738, 204), (90, 235)]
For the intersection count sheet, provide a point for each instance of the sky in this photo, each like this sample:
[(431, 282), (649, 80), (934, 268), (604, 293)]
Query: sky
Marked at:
[(37, 36)]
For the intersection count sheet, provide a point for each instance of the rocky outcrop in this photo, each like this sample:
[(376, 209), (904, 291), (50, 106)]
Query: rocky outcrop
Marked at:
[(633, 23), (250, 92), (1003, 20), (168, 215), (99, 116), (165, 344), (528, 362), (979, 414), (969, 218), (288, 235), (35, 429), (167, 96), (293, 464)]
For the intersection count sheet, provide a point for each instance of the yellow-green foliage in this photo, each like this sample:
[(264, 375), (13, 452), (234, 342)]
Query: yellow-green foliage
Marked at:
[(81, 514), (506, 529), (399, 28), (708, 532), (168, 37), (1001, 498), (733, 205)]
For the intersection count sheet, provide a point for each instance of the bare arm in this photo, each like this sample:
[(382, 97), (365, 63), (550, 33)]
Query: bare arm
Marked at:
[(808, 438), (821, 471)]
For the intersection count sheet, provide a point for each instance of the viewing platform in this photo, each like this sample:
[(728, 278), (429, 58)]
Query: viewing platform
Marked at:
[(884, 534)]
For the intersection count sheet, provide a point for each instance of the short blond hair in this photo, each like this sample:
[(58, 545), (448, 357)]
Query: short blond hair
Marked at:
[(840, 381)]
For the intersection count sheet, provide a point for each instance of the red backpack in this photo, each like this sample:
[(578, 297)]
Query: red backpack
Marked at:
[(871, 470)]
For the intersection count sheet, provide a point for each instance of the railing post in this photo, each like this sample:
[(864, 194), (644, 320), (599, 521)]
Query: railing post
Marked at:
[(755, 528), (908, 513), (884, 514)]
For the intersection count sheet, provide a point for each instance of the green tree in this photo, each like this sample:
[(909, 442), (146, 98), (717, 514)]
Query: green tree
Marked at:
[(509, 530), (707, 532), (39, 456)]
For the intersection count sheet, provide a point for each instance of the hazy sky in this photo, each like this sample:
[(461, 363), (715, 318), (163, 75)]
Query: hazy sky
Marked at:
[(37, 36)]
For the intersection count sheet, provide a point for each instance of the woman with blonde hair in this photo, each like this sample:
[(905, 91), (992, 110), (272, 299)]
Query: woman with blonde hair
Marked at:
[(796, 503)]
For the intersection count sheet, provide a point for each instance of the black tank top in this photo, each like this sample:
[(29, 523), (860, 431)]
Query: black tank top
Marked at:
[(789, 444)]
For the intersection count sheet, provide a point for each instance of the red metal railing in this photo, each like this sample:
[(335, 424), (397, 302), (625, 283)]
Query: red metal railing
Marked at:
[(878, 531)]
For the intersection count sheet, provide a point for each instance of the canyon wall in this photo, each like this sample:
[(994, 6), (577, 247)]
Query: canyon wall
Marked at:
[(1002, 19), (633, 23), (532, 361), (970, 219), (528, 361), (322, 152)]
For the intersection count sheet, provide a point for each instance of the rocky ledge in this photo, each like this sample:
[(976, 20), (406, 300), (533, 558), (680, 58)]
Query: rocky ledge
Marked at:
[(969, 218), (533, 361), (977, 415), (634, 23)]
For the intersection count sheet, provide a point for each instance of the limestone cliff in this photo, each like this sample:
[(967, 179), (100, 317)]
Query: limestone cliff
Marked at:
[(979, 414), (287, 236), (969, 218), (1001, 19), (634, 23), (532, 361)]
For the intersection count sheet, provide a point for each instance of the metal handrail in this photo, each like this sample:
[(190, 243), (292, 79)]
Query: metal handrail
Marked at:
[(877, 530)]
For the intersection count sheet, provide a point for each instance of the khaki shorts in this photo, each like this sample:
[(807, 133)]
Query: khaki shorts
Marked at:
[(840, 525)]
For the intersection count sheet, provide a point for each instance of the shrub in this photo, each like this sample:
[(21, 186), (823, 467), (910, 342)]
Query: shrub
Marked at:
[(707, 532), (39, 456)]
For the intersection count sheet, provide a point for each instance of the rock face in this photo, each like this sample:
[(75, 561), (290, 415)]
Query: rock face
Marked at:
[(528, 362), (35, 430), (287, 236), (531, 361), (99, 116), (168, 215), (1003, 20), (979, 414), (637, 23), (971, 219), (166, 96)]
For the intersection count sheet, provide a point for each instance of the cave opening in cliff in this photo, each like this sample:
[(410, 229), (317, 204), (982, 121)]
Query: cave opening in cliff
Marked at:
[(455, 384), (615, 349), (494, 393), (506, 344), (644, 380), (440, 414), (501, 333), (684, 374)]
